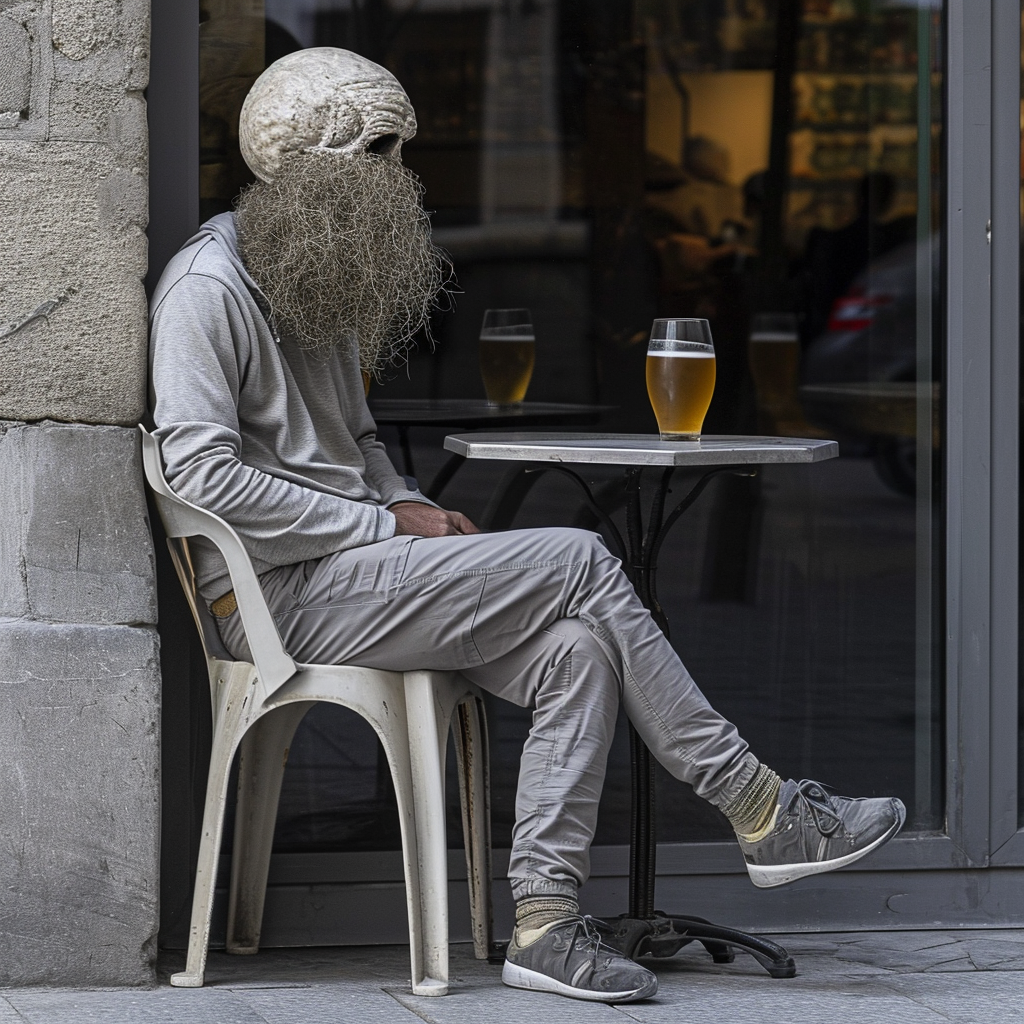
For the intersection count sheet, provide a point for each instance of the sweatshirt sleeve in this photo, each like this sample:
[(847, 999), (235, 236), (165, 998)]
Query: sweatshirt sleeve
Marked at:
[(380, 471), (199, 350), (381, 474)]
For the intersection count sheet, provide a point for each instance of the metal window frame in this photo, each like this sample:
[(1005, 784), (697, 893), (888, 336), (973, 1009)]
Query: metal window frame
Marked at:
[(1006, 840), (917, 881)]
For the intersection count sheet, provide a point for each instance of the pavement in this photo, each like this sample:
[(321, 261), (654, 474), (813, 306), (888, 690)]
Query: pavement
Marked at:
[(966, 977)]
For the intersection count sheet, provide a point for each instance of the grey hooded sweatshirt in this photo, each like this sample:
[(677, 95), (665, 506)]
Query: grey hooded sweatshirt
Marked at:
[(274, 440)]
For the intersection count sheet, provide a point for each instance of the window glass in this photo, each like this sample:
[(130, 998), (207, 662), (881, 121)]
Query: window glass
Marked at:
[(771, 165)]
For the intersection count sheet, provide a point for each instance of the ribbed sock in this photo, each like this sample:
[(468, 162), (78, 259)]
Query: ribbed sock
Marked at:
[(752, 814), (536, 914)]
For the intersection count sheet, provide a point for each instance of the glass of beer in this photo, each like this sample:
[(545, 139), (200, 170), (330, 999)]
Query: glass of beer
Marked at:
[(506, 355), (680, 376), (774, 354)]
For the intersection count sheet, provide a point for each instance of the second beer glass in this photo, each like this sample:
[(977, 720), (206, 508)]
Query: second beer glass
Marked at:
[(506, 355), (680, 376)]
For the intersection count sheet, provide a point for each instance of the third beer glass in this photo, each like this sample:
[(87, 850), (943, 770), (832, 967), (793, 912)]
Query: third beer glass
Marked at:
[(774, 355), (680, 376), (506, 354)]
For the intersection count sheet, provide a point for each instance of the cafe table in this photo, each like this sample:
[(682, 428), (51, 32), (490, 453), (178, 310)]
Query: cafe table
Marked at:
[(642, 931), (470, 413)]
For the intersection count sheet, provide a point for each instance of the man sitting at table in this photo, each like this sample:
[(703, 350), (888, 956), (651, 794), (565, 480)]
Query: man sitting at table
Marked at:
[(260, 328)]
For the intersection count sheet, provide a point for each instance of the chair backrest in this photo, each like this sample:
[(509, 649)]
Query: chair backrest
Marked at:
[(181, 520), (209, 636)]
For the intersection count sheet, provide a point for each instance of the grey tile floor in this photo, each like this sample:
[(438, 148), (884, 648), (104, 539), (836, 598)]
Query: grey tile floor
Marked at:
[(965, 977)]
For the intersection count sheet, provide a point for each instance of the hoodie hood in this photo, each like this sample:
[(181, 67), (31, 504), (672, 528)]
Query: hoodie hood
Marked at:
[(213, 250), (223, 231)]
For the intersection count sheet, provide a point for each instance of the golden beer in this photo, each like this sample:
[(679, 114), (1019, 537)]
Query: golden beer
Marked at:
[(775, 368), (680, 385), (506, 365)]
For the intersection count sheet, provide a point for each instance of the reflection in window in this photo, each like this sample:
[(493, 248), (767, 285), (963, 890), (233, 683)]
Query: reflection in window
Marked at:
[(772, 165)]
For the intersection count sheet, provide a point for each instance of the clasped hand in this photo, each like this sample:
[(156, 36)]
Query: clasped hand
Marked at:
[(415, 519)]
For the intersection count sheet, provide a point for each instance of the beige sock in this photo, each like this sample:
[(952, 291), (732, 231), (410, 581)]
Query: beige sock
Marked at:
[(753, 813), (759, 833), (536, 914)]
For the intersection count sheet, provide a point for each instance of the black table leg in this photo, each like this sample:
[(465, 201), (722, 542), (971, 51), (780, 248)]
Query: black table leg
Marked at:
[(644, 931), (515, 485), (444, 476), (403, 443)]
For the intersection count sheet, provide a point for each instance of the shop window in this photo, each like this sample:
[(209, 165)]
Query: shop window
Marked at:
[(772, 165)]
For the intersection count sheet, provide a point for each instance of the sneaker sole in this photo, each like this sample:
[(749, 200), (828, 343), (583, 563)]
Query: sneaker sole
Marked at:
[(522, 977), (768, 877)]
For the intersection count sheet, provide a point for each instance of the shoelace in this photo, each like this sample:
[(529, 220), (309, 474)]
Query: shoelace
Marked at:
[(815, 800), (591, 936)]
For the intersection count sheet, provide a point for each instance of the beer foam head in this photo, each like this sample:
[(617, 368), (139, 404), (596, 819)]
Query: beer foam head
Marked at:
[(680, 349)]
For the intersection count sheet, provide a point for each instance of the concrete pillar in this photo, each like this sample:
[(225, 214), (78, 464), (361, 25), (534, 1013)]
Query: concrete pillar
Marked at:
[(79, 675)]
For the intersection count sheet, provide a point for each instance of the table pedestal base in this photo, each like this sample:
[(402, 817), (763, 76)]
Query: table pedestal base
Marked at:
[(663, 936)]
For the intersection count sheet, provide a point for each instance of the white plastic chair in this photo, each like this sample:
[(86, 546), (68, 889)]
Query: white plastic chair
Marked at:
[(259, 705)]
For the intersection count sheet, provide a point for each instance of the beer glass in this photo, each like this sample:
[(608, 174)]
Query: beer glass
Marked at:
[(774, 356), (506, 355), (680, 376)]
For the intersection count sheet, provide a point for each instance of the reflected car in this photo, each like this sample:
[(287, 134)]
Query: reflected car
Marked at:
[(859, 377)]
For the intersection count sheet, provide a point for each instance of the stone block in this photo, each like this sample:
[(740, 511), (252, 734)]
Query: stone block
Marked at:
[(75, 544), (73, 159), (72, 306), (79, 802)]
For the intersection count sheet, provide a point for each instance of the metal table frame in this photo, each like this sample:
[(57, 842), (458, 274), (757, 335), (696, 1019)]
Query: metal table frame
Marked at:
[(467, 413), (643, 930)]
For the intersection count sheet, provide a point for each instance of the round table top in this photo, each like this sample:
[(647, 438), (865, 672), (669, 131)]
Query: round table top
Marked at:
[(639, 449), (472, 412)]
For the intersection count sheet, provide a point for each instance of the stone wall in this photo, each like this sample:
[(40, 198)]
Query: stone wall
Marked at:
[(73, 209), (79, 675)]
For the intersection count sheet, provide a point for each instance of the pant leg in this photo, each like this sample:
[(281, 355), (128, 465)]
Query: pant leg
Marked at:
[(562, 769), (488, 605)]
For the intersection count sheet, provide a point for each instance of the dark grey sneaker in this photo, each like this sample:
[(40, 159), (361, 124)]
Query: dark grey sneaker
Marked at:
[(817, 832), (570, 959)]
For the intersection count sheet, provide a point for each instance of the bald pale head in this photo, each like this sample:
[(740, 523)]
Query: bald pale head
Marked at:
[(323, 100)]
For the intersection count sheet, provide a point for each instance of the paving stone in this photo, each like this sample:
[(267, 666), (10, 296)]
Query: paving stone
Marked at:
[(327, 1004), (296, 968), (933, 951), (796, 1001), (810, 964), (911, 941), (132, 1006), (8, 1014), (992, 954), (987, 997), (900, 955), (470, 1002)]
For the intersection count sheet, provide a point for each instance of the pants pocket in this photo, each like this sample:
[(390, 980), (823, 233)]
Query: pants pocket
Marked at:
[(366, 575)]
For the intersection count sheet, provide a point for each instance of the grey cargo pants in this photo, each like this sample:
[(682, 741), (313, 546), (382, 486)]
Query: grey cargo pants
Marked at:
[(544, 618)]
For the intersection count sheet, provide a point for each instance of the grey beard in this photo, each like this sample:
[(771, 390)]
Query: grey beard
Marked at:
[(341, 248)]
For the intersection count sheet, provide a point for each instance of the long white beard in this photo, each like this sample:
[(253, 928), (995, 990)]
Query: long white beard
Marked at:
[(341, 248)]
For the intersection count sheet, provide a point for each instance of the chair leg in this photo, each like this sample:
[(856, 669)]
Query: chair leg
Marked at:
[(231, 710), (428, 736), (264, 752), (475, 797), (393, 733)]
